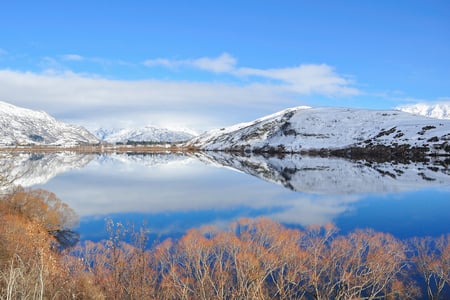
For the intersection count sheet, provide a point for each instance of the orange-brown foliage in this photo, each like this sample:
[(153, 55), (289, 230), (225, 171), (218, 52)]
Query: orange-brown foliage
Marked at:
[(30, 266), (254, 259)]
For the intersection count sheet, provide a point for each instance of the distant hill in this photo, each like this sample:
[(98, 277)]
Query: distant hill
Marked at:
[(146, 134), (438, 110), (21, 126), (304, 129)]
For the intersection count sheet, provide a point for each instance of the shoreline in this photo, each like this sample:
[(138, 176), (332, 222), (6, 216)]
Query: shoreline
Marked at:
[(97, 149), (402, 153)]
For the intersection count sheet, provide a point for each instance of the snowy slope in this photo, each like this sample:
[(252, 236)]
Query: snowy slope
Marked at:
[(303, 129), (334, 175), (437, 110), (145, 134), (20, 126)]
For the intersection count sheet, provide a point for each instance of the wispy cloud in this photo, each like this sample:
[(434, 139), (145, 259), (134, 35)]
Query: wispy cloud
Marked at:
[(72, 57), (308, 79), (224, 63), (167, 63), (304, 79), (49, 63)]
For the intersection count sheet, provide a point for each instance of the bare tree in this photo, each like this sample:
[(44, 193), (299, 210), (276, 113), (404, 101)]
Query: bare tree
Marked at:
[(432, 260)]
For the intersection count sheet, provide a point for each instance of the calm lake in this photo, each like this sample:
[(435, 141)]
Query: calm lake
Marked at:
[(171, 193)]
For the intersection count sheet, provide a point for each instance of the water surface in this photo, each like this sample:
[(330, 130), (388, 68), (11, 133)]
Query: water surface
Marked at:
[(173, 193)]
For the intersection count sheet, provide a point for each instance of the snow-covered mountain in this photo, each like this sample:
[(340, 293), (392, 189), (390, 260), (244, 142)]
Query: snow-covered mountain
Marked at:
[(304, 129), (319, 175), (21, 126), (437, 110), (145, 134)]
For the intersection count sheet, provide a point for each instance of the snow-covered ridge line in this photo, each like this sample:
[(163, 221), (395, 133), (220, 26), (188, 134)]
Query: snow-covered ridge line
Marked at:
[(301, 129), (436, 110), (25, 127), (145, 134), (239, 126)]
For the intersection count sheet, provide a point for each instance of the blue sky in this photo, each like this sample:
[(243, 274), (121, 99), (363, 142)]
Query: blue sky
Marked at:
[(206, 64)]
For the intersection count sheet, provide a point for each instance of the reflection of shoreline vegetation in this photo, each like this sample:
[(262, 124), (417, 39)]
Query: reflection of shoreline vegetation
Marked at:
[(254, 259)]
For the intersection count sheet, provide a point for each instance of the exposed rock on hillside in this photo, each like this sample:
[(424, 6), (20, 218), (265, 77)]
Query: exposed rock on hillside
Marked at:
[(334, 131)]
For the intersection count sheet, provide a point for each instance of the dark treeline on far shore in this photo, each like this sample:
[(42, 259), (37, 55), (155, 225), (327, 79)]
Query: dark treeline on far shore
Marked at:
[(400, 153), (100, 148), (252, 259)]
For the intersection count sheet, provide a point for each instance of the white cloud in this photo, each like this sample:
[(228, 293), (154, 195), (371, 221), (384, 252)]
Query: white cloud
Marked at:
[(304, 79), (307, 79), (93, 101), (221, 64), (72, 57)]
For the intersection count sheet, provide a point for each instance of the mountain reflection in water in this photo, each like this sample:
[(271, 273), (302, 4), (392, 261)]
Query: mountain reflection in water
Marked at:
[(335, 175), (174, 192)]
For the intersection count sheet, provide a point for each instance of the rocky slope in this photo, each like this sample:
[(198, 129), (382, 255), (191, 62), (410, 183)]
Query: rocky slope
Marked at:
[(21, 126), (338, 131)]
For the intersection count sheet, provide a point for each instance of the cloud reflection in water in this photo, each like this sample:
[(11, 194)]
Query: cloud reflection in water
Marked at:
[(179, 191)]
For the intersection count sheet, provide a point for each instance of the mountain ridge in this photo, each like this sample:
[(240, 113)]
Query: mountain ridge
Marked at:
[(25, 127), (304, 129), (436, 110), (143, 134)]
